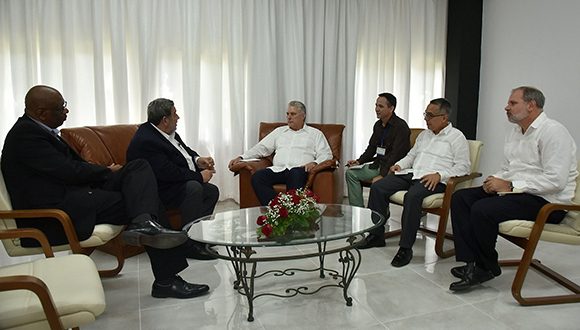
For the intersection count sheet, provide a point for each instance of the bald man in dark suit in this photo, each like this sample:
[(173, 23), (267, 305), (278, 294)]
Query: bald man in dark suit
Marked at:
[(42, 171)]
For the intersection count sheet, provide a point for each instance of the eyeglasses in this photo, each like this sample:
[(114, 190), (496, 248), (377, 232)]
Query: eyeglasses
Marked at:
[(430, 115), (61, 109)]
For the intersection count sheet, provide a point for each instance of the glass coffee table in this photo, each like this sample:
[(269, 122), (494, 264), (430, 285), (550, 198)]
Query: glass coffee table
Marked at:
[(236, 231)]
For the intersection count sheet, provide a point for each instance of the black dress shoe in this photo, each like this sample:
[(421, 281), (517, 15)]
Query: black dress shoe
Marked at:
[(199, 251), (473, 275), (458, 271), (403, 257), (150, 233), (372, 241), (178, 289)]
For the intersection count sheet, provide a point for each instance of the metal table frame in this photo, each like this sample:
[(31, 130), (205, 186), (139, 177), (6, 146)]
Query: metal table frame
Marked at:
[(244, 259)]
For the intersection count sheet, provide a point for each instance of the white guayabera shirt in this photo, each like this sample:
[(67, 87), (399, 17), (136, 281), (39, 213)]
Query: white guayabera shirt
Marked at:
[(293, 148), (446, 153), (542, 161)]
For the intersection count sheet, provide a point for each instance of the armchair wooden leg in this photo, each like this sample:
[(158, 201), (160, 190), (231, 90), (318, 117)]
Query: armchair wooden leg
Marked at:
[(114, 247), (392, 233), (440, 236), (523, 267)]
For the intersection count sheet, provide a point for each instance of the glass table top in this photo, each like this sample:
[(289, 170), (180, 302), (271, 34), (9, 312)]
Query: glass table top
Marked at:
[(238, 227)]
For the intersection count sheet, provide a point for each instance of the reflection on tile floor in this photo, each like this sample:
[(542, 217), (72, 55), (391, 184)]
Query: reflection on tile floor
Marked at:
[(412, 297)]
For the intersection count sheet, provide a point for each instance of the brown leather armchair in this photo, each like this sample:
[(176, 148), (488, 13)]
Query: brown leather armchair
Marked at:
[(323, 179)]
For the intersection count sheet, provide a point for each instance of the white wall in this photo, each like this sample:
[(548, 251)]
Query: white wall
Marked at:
[(527, 42)]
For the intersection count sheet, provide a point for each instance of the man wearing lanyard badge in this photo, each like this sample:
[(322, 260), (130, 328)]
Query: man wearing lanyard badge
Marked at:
[(388, 143)]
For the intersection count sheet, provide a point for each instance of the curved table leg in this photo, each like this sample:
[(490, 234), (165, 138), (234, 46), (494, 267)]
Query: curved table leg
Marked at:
[(244, 284), (321, 255), (350, 260), (245, 269)]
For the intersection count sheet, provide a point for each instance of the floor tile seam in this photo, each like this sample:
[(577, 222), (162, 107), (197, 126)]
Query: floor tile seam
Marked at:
[(487, 314), (445, 289), (167, 304), (441, 286), (377, 272), (432, 313), (139, 305), (369, 312)]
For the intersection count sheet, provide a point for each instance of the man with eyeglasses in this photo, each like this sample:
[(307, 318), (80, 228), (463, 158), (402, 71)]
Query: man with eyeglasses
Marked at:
[(42, 171), (440, 152), (388, 143)]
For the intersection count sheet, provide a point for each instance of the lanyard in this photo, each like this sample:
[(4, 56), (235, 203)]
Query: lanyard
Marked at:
[(385, 130)]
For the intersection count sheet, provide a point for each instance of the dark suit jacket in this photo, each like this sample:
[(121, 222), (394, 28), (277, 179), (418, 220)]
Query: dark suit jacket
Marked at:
[(42, 171), (168, 163)]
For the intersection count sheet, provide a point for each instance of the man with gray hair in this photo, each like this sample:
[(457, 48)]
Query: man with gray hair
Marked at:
[(182, 174), (539, 167), (298, 148)]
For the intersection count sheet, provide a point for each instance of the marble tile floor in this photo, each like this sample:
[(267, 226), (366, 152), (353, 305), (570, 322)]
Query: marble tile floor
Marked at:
[(384, 297)]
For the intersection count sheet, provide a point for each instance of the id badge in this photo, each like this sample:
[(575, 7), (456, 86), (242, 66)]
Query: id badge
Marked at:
[(381, 151)]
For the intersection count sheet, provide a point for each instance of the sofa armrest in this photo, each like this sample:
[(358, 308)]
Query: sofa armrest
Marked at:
[(327, 165), (250, 167)]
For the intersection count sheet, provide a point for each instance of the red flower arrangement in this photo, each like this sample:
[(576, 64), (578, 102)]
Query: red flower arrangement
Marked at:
[(293, 211)]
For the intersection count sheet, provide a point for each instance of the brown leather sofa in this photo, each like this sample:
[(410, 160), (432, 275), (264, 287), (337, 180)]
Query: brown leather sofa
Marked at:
[(324, 179), (103, 145)]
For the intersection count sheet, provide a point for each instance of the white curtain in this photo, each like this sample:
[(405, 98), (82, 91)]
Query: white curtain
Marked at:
[(227, 64)]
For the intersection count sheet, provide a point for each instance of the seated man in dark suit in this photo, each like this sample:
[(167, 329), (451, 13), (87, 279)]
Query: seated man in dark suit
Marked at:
[(42, 171), (182, 175)]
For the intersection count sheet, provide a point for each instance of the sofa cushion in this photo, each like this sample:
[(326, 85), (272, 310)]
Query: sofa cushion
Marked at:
[(103, 145)]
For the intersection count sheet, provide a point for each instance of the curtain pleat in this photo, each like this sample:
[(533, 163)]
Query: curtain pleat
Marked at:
[(227, 64)]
